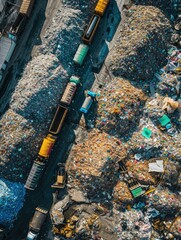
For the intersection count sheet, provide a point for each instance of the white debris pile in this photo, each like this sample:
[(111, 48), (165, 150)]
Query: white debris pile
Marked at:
[(133, 225), (32, 108), (43, 81), (63, 36), (11, 200), (141, 45)]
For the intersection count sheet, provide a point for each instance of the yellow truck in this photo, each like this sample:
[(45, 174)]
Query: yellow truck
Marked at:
[(101, 7), (47, 145), (61, 177)]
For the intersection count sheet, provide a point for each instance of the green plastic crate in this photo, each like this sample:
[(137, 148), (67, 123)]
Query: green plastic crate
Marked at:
[(81, 54), (137, 192)]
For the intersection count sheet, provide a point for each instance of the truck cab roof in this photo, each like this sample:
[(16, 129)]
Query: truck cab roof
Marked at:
[(31, 236)]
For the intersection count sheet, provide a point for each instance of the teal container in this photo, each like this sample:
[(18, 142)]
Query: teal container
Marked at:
[(75, 79), (81, 54)]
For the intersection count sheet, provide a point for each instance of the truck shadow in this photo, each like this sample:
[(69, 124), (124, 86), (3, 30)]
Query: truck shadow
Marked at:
[(104, 35)]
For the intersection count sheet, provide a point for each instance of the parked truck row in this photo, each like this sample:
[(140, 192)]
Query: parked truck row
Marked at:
[(49, 141), (90, 31), (39, 164)]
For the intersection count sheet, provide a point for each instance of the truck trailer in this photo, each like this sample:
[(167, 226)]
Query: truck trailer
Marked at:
[(35, 174), (58, 120), (91, 29), (88, 102), (70, 90), (36, 223)]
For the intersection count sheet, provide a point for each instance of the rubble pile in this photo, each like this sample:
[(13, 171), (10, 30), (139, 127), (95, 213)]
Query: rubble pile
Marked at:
[(141, 46), (136, 141), (164, 200), (63, 41), (24, 124), (93, 164), (119, 107), (122, 193), (168, 76), (139, 171), (175, 228), (132, 225)]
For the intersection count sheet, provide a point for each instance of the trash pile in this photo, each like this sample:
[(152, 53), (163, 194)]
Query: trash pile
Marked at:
[(44, 79), (139, 171), (122, 193), (62, 37), (87, 221), (24, 124), (165, 6), (11, 201), (93, 164), (175, 228), (58, 209), (164, 200), (158, 129), (168, 76), (130, 161), (132, 225), (141, 45), (119, 107)]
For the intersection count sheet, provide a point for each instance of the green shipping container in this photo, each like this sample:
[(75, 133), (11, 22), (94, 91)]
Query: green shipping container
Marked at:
[(81, 54)]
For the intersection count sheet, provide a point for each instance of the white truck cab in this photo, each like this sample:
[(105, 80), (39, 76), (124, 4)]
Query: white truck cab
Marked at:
[(32, 236)]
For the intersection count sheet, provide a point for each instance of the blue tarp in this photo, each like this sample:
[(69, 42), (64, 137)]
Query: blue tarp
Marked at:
[(11, 200)]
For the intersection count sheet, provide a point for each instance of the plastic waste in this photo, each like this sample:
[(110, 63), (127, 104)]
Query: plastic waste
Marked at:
[(146, 133)]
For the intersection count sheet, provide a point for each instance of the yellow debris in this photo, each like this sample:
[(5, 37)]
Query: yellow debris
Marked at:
[(170, 105)]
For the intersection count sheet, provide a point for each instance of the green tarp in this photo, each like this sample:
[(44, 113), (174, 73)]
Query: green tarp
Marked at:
[(164, 120)]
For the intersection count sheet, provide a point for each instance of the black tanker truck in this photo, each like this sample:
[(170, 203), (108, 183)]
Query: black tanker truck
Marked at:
[(36, 223)]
